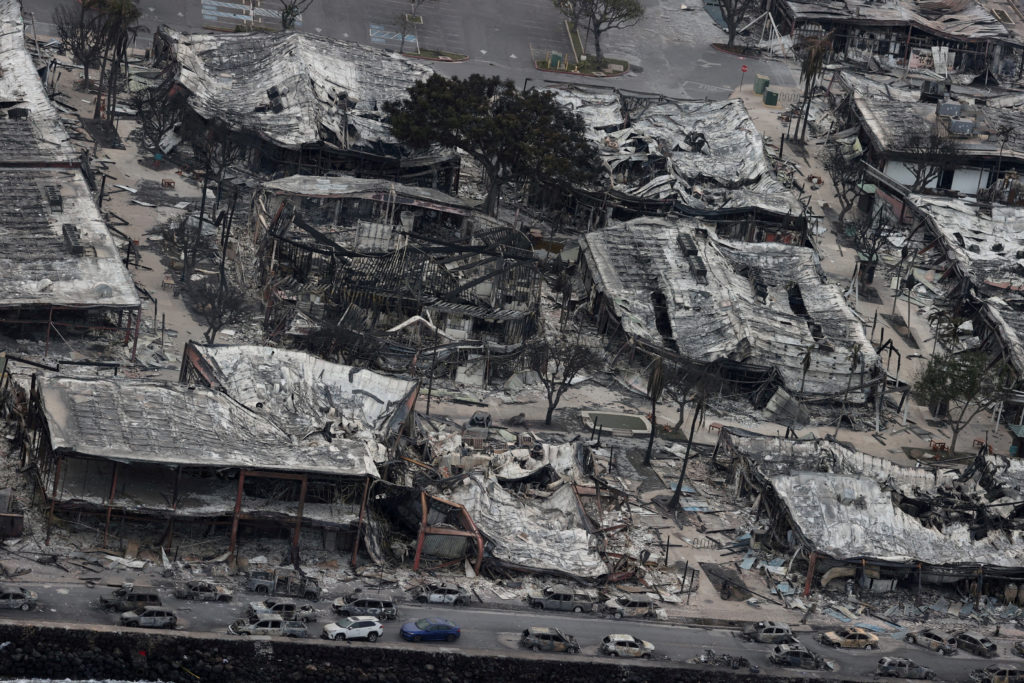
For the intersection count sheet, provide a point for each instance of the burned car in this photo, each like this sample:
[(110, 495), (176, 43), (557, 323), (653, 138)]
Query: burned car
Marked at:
[(12, 597), (441, 594), (550, 639), (150, 617), (625, 645), (204, 591), (286, 609), (901, 667), (936, 641), (382, 608), (976, 644), (796, 656), (998, 673), (768, 632), (561, 598), (269, 626), (630, 606), (855, 638)]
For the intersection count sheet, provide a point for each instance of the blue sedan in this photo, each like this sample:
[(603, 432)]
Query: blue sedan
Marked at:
[(431, 628)]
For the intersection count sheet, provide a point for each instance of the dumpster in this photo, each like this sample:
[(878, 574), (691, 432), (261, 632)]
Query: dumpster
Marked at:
[(760, 84), (771, 97)]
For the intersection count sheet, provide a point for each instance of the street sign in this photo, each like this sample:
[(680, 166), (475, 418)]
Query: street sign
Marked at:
[(743, 68)]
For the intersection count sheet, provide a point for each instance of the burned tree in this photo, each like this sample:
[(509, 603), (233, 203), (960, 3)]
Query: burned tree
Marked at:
[(218, 304), (80, 30), (735, 13), (846, 170), (558, 361), (927, 156), (513, 135), (961, 386), (870, 235), (156, 115), (655, 387), (815, 50), (291, 10)]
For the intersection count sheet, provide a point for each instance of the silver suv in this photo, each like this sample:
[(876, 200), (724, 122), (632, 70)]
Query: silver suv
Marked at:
[(150, 617), (562, 598)]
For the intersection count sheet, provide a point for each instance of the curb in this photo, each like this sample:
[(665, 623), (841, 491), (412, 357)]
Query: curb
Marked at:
[(578, 73)]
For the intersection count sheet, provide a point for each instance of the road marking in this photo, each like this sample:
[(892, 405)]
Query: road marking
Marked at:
[(382, 34), (242, 12)]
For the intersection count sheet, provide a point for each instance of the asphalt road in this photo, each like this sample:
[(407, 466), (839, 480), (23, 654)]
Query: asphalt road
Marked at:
[(498, 630), (671, 47)]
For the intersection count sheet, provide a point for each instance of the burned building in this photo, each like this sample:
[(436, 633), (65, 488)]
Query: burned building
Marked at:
[(409, 266), (976, 252), (764, 311), (849, 514), (697, 158), (941, 36), (299, 103), (952, 144), (259, 441), (62, 271)]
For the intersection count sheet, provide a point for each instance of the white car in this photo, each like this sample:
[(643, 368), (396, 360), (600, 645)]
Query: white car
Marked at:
[(353, 628), (624, 645)]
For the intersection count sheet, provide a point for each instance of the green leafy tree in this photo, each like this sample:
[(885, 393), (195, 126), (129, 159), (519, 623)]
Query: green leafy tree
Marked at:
[(513, 135), (602, 16), (963, 385)]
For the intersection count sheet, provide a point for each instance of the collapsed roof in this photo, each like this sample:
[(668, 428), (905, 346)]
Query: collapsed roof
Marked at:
[(852, 506), (300, 392), (31, 133), (158, 422), (985, 243), (545, 535), (350, 187), (675, 287), (963, 20), (650, 147), (292, 88)]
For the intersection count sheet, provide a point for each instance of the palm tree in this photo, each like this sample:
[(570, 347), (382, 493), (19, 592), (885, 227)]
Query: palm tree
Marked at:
[(655, 385), (815, 52), (120, 26)]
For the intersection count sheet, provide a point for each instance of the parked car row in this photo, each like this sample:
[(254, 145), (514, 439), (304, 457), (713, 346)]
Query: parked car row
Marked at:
[(550, 639), (947, 644)]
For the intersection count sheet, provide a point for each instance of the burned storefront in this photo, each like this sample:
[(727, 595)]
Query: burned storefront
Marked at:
[(946, 37), (846, 514), (376, 272), (259, 442), (63, 274), (762, 313), (692, 157), (299, 103)]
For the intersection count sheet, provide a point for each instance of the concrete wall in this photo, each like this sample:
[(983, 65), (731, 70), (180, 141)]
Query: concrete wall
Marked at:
[(99, 652)]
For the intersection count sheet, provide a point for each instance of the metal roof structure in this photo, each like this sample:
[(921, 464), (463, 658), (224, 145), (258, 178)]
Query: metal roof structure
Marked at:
[(847, 504), (165, 423), (642, 140), (985, 243), (31, 133), (299, 392), (676, 287), (892, 123), (292, 88), (55, 249)]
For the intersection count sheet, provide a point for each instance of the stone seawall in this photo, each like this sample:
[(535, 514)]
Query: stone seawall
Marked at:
[(76, 651)]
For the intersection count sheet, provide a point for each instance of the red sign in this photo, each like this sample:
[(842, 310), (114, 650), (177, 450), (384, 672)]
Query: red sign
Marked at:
[(743, 68)]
